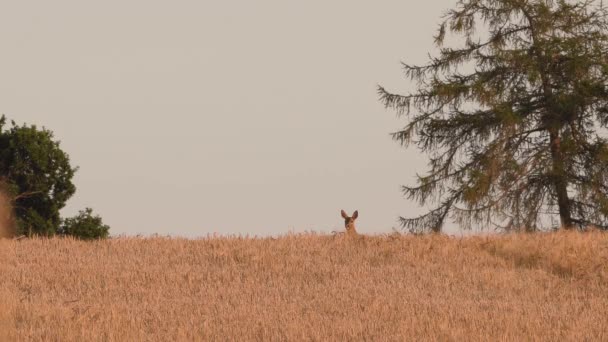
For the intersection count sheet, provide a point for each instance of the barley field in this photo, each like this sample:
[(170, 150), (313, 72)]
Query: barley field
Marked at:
[(309, 287)]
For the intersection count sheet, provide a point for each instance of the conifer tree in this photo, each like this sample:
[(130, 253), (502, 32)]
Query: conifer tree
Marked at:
[(513, 115)]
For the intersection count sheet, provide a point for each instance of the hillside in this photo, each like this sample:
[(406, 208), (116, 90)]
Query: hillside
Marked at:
[(307, 287)]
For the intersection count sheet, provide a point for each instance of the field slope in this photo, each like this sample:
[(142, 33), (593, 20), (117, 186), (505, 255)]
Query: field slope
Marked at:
[(307, 287)]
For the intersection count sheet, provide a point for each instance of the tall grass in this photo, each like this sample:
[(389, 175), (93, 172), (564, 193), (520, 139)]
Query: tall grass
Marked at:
[(307, 287)]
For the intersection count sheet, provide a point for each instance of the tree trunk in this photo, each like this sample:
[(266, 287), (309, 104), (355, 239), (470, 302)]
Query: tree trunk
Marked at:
[(559, 180), (558, 173)]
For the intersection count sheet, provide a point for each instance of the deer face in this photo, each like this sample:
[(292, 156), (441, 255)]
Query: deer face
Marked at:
[(349, 221)]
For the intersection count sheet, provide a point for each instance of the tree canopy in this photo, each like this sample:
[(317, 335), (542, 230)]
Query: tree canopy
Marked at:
[(35, 184), (39, 175), (513, 116)]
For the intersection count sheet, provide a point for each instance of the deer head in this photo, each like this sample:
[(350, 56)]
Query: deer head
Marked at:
[(349, 221)]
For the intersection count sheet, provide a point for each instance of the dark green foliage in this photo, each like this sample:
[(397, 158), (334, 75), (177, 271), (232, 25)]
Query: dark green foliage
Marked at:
[(514, 118), (85, 226), (38, 174)]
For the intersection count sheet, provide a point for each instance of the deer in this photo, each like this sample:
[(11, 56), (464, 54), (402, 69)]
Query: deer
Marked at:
[(349, 222)]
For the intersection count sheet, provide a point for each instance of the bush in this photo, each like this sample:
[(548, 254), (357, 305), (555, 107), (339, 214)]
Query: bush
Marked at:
[(85, 226)]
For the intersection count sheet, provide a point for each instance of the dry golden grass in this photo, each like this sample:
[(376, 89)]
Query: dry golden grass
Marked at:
[(306, 287)]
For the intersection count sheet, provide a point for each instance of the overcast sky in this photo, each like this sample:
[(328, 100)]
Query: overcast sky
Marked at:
[(235, 117)]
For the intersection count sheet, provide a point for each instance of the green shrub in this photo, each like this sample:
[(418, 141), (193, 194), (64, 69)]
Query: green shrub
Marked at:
[(85, 226)]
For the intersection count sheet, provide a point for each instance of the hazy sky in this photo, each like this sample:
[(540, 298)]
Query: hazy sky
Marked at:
[(235, 117)]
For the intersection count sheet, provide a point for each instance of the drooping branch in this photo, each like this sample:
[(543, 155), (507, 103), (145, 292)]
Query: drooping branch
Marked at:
[(27, 194)]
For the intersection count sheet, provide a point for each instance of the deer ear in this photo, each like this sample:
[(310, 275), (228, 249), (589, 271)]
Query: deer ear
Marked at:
[(344, 214), (355, 214)]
